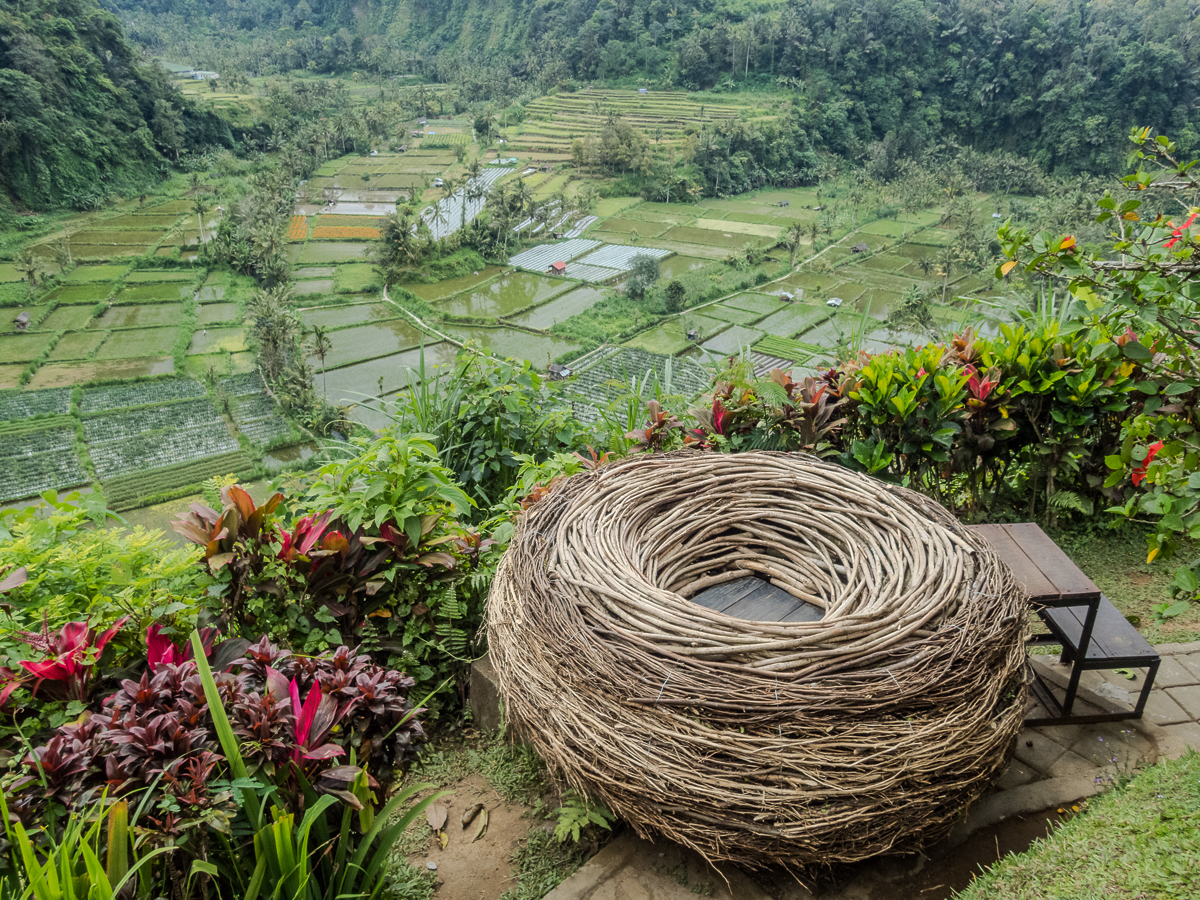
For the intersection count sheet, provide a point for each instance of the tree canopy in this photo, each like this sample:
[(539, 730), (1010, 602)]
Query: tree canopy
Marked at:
[(81, 116), (1052, 79)]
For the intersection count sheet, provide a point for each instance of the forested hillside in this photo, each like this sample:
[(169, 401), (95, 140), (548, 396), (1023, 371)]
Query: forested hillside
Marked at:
[(1056, 79), (81, 116)]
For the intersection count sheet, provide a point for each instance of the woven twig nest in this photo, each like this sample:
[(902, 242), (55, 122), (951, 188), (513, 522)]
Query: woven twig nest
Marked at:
[(759, 742)]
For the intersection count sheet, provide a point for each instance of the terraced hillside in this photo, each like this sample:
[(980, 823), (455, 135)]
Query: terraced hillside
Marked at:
[(553, 122)]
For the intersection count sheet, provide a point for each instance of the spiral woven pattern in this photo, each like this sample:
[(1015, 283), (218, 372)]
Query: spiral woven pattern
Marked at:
[(760, 742)]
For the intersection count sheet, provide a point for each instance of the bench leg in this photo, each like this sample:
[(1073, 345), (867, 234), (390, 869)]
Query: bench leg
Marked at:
[(1146, 685)]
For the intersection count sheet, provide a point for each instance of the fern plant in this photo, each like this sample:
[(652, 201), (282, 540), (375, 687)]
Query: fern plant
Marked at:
[(577, 814)]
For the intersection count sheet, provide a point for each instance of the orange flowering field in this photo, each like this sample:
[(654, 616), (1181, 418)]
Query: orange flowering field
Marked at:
[(345, 231), (350, 221), (298, 228)]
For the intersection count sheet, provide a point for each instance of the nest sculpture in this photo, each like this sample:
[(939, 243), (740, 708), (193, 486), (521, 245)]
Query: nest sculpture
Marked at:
[(760, 742)]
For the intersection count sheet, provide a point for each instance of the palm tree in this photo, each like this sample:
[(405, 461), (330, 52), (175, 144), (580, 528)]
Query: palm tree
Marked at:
[(276, 328), (199, 207), (62, 253), (29, 265), (795, 233), (946, 259), (321, 345), (814, 228)]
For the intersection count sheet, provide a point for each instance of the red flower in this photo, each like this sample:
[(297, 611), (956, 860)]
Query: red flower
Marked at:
[(1178, 232), (1139, 474)]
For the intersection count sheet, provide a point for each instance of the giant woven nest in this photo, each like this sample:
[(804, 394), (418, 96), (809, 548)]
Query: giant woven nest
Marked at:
[(830, 741)]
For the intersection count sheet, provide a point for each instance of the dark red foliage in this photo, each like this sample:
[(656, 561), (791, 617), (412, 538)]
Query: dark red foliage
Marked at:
[(156, 732)]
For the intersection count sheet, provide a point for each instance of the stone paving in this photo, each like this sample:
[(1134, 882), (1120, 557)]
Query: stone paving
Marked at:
[(1052, 766)]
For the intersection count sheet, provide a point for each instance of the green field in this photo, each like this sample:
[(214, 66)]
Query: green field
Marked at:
[(77, 345), (143, 315), (66, 318), (22, 347), (142, 342), (332, 252), (213, 340)]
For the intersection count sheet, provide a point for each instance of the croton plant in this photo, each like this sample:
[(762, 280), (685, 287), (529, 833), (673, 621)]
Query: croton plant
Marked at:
[(301, 721)]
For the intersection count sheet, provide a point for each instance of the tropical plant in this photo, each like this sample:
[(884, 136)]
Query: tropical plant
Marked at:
[(75, 864)]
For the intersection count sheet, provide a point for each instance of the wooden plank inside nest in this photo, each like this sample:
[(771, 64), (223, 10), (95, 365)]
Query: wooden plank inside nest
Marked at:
[(757, 600)]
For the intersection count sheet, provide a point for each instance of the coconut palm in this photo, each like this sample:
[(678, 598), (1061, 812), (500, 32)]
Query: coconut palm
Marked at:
[(795, 233), (29, 266), (276, 328), (946, 259), (321, 345)]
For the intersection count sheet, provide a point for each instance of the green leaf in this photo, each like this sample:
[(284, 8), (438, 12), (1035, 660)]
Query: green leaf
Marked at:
[(1186, 579), (1176, 609), (1177, 388), (1135, 350)]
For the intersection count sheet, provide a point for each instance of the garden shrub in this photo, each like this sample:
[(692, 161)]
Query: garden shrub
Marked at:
[(77, 570), (304, 726)]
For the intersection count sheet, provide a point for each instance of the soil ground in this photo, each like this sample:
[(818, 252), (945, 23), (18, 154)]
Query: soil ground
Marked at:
[(470, 869)]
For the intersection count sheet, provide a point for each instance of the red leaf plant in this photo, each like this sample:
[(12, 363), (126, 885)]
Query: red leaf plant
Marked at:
[(73, 653), (155, 735)]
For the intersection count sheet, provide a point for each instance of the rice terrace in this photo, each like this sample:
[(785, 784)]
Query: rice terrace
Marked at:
[(599, 449)]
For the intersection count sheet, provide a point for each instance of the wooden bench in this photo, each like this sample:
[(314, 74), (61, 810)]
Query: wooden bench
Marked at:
[(1092, 632)]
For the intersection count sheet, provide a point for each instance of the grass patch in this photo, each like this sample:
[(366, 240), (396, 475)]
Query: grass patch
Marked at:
[(66, 318), (150, 276), (77, 345), (1139, 840), (315, 252), (94, 273), (731, 314), (666, 340), (22, 347), (63, 374), (1116, 561), (212, 313), (757, 303), (355, 278), (218, 340), (736, 227), (730, 240), (79, 293), (154, 293), (141, 315)]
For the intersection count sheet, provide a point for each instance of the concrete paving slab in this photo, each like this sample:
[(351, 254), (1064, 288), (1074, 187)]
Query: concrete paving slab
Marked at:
[(1072, 765), (1037, 751), (1016, 775), (1108, 741), (1028, 798), (1179, 739), (1191, 662), (1188, 698), (1162, 710), (631, 868), (1172, 673)]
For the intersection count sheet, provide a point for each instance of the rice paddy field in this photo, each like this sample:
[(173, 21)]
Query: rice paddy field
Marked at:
[(147, 432), (553, 122)]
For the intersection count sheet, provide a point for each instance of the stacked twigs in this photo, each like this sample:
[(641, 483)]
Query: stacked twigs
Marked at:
[(760, 742)]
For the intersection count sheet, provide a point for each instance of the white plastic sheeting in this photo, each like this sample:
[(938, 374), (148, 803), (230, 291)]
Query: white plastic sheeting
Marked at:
[(620, 257), (452, 217), (540, 257)]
